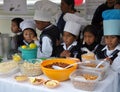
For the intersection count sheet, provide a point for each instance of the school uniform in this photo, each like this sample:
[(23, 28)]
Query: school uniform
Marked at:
[(44, 11), (72, 26), (111, 25), (95, 47), (48, 39), (74, 49)]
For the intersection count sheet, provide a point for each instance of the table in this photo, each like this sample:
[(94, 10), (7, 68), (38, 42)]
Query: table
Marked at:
[(9, 84)]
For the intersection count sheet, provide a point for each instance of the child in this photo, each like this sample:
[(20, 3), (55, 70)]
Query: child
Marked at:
[(91, 40), (17, 38), (50, 34), (29, 31), (70, 47), (112, 38)]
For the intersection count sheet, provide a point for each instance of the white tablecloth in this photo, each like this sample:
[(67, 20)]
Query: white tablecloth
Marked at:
[(9, 84)]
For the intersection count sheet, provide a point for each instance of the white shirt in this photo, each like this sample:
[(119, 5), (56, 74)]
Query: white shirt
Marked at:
[(116, 63), (46, 47), (70, 47)]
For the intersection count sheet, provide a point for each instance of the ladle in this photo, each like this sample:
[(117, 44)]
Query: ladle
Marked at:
[(59, 68)]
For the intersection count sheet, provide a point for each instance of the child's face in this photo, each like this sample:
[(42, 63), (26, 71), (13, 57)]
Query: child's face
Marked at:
[(89, 38), (28, 35), (14, 27), (111, 42), (40, 24), (68, 38), (64, 6)]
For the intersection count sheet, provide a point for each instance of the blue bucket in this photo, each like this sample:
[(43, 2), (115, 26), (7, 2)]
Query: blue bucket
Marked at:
[(29, 53)]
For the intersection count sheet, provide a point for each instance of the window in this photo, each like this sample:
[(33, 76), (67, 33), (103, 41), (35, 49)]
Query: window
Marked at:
[(31, 2)]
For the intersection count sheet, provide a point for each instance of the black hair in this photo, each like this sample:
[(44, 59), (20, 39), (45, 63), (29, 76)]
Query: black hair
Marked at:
[(92, 29), (117, 2), (17, 21), (118, 38), (70, 2), (31, 30)]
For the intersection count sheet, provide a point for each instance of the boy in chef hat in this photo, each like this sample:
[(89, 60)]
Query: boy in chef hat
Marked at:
[(111, 25), (44, 12), (29, 31), (70, 46)]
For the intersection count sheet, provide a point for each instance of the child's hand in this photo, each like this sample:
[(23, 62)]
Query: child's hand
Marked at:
[(65, 53), (108, 59), (35, 38)]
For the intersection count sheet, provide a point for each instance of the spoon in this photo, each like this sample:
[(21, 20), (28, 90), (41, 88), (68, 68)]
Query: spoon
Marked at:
[(59, 68), (99, 64), (102, 62)]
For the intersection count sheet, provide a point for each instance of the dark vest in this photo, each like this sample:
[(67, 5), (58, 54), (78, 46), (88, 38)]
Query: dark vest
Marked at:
[(53, 33), (61, 23), (75, 51), (103, 55)]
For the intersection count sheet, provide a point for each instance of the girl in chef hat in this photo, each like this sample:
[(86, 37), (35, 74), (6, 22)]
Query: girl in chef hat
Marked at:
[(70, 47), (29, 31), (111, 51)]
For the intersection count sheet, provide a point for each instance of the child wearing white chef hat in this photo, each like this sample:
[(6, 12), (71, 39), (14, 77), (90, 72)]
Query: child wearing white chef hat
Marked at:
[(70, 46), (29, 31), (44, 11), (111, 25)]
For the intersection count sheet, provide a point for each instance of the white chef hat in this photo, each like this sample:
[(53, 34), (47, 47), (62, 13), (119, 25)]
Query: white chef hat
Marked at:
[(45, 10), (28, 24), (73, 23), (111, 23)]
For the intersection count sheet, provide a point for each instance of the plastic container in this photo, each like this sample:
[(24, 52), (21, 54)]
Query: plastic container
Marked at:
[(30, 69), (87, 85), (29, 53), (102, 70)]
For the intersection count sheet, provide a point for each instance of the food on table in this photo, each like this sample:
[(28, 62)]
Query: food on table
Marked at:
[(30, 69), (51, 83), (23, 46), (85, 79), (36, 81), (89, 76), (31, 46), (93, 65), (60, 64), (61, 74), (6, 67), (21, 78), (88, 56), (16, 57)]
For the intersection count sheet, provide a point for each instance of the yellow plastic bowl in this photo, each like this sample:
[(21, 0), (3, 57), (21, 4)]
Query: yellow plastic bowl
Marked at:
[(59, 75)]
